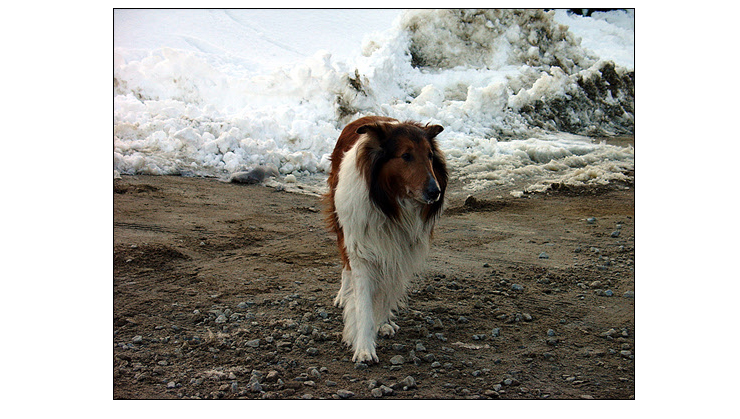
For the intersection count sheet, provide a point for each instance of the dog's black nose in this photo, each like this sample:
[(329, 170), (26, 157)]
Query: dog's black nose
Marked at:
[(432, 192)]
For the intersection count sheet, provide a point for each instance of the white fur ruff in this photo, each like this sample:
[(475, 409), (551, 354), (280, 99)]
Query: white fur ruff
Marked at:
[(383, 254)]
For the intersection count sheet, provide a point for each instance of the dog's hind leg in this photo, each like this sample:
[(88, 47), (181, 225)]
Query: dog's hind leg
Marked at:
[(344, 289), (388, 328)]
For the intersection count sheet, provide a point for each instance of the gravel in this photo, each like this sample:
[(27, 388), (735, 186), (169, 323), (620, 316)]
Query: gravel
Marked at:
[(397, 360), (345, 394)]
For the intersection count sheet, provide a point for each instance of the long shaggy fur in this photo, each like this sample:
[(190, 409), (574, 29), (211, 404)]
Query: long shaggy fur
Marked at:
[(384, 199)]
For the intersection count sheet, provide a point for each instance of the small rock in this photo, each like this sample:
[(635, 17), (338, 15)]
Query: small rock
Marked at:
[(440, 336), (171, 384), (615, 233), (313, 372), (550, 332), (629, 294), (254, 386), (517, 287), (608, 293), (491, 393), (438, 325), (398, 347), (377, 393), (254, 343), (591, 220), (420, 347), (609, 333), (345, 394), (386, 390), (544, 255), (496, 332), (137, 339), (397, 360), (312, 351), (409, 382), (305, 329), (625, 354), (221, 319)]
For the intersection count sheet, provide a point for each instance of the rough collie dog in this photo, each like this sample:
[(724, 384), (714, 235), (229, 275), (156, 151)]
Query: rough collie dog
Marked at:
[(386, 189)]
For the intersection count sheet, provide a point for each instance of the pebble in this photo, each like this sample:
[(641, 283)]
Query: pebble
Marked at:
[(437, 324), (137, 339), (171, 384), (221, 319), (398, 347), (386, 390), (609, 333), (312, 351), (377, 393), (517, 287), (397, 360), (254, 386), (609, 293), (440, 336), (615, 233), (544, 255), (591, 220), (345, 394), (550, 332), (254, 343), (629, 294), (420, 347), (408, 382), (496, 332)]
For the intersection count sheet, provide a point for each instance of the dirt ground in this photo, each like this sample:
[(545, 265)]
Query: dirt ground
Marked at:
[(224, 291)]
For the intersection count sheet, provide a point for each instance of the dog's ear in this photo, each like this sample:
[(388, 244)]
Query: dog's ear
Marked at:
[(377, 130), (433, 130)]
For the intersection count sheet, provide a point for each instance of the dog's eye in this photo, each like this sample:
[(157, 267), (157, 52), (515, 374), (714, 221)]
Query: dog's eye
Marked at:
[(431, 156), (406, 157)]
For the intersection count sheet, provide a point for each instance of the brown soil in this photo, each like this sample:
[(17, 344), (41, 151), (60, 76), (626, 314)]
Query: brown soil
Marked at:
[(187, 250)]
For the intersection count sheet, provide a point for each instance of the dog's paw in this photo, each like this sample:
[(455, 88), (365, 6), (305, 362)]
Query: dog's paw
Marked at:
[(338, 301), (363, 355), (389, 329)]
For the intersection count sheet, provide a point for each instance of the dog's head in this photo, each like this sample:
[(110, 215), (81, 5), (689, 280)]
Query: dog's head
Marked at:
[(404, 162)]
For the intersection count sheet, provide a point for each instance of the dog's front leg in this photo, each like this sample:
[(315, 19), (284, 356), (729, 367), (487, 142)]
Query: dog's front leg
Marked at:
[(363, 288)]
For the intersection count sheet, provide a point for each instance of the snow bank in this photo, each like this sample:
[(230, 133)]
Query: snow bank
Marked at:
[(518, 92)]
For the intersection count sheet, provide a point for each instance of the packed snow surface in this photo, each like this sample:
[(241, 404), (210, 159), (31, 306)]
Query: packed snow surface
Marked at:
[(522, 94)]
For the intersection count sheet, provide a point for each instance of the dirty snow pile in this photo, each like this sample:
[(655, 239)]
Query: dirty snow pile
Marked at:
[(521, 94)]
